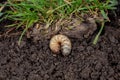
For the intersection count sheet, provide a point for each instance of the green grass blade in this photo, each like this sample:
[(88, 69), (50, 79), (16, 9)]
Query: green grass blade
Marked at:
[(104, 15), (30, 23), (1, 14), (97, 36)]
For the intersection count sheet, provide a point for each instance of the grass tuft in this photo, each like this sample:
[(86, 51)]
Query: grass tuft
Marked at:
[(26, 13)]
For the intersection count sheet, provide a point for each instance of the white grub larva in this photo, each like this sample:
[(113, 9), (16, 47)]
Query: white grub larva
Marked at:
[(60, 42)]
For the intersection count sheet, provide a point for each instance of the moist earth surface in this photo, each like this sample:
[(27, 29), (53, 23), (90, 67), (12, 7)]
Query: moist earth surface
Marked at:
[(35, 61)]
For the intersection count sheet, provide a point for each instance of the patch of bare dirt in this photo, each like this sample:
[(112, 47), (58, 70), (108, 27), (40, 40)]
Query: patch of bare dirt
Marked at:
[(34, 61)]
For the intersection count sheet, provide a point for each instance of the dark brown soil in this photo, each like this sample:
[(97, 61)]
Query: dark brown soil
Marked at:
[(34, 61)]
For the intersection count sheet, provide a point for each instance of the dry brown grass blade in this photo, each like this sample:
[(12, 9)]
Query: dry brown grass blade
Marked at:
[(2, 7), (67, 1)]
